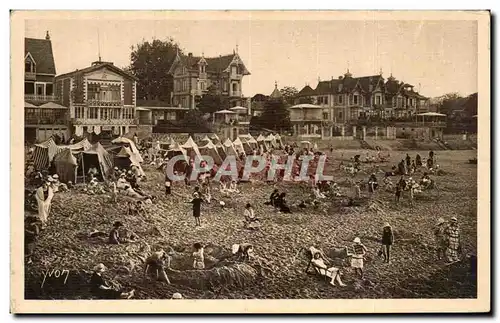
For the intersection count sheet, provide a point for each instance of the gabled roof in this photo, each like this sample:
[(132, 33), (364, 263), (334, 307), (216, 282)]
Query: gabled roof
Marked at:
[(97, 66), (306, 91), (213, 64), (41, 52)]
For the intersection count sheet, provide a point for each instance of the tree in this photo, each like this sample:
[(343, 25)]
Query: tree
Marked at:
[(275, 117), (449, 102), (150, 63), (194, 121), (212, 101), (289, 93)]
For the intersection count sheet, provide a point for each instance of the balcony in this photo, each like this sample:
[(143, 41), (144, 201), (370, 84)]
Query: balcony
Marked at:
[(43, 117), (235, 94), (103, 122), (30, 76), (41, 98), (102, 103)]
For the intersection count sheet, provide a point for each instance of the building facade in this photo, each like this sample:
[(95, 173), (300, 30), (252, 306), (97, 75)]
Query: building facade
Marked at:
[(43, 116), (101, 98), (347, 102), (193, 76)]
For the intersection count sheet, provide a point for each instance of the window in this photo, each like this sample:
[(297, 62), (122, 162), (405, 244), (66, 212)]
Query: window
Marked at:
[(355, 99), (225, 86), (104, 92), (340, 99), (325, 115), (29, 88), (400, 102), (92, 113), (79, 112), (235, 87), (29, 66), (325, 100), (393, 101), (234, 70), (378, 99), (49, 89), (202, 68), (339, 115)]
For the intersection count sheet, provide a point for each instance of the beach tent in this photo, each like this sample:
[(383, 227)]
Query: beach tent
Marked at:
[(277, 137), (229, 147), (191, 148), (253, 143), (126, 159), (215, 139), (175, 149), (44, 152), (261, 140), (271, 141), (205, 139), (248, 148), (221, 150), (129, 143), (97, 156), (66, 166), (238, 146), (211, 150)]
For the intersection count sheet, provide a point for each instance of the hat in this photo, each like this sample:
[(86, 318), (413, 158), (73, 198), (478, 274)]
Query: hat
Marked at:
[(55, 176), (100, 268), (50, 179), (440, 221), (235, 247), (116, 168), (195, 194), (387, 225), (177, 296), (357, 240), (454, 219)]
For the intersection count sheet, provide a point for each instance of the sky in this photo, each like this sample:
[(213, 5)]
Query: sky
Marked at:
[(437, 57)]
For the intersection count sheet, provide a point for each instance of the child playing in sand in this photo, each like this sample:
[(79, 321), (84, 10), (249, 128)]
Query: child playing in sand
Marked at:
[(199, 258)]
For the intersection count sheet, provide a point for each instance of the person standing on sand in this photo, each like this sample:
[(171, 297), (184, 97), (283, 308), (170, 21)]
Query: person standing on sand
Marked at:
[(452, 236), (387, 241), (357, 259), (196, 201), (440, 239), (44, 195)]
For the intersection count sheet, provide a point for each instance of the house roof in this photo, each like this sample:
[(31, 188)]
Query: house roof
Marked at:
[(276, 93), (306, 91), (213, 64), (97, 66), (41, 51)]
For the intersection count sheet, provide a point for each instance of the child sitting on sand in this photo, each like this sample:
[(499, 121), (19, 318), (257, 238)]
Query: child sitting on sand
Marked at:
[(199, 258)]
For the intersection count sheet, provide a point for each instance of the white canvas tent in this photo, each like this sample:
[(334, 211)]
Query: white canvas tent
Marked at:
[(261, 140), (191, 148), (221, 150), (230, 150), (271, 141), (211, 150), (174, 149), (277, 137), (238, 146), (133, 148)]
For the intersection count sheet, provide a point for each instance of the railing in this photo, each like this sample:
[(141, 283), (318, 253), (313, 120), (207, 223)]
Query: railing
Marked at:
[(101, 103), (40, 98), (29, 76), (235, 94), (91, 122), (45, 117)]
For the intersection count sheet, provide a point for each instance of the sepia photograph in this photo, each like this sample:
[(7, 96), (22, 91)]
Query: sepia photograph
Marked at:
[(273, 161)]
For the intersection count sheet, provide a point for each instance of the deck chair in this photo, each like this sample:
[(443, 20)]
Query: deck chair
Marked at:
[(310, 253)]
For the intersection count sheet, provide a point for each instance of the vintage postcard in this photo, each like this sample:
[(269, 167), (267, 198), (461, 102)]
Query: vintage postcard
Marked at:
[(250, 161)]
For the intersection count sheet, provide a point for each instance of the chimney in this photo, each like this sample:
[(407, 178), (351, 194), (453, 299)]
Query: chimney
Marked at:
[(341, 77), (190, 54), (47, 36)]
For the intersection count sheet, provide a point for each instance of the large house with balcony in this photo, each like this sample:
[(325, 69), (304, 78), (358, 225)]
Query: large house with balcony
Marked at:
[(43, 117), (348, 101), (193, 75), (101, 99)]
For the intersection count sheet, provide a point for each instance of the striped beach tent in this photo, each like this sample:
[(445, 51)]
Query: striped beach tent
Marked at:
[(45, 152)]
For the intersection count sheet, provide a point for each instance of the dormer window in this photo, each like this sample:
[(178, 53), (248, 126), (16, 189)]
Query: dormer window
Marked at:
[(340, 87), (29, 67), (202, 68)]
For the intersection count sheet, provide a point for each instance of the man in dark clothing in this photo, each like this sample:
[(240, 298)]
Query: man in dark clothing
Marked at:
[(196, 201), (408, 160), (114, 235), (100, 288)]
